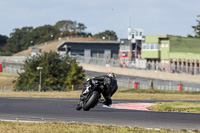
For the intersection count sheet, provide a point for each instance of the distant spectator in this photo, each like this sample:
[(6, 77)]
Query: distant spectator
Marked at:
[(163, 69), (122, 63)]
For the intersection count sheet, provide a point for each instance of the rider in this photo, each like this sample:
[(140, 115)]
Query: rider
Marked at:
[(110, 87)]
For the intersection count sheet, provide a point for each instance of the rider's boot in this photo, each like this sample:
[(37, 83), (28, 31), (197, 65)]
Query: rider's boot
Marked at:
[(101, 100), (107, 102), (79, 105)]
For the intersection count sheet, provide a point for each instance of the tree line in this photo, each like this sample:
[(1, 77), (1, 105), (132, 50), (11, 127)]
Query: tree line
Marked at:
[(21, 38)]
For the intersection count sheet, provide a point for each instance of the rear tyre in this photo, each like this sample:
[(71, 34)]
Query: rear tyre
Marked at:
[(91, 101)]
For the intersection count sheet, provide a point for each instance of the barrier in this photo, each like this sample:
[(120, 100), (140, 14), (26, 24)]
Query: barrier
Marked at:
[(0, 67), (136, 84), (180, 87)]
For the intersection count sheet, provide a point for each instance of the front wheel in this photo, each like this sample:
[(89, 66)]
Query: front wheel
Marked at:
[(91, 101)]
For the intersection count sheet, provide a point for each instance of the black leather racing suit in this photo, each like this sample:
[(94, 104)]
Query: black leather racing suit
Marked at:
[(110, 87)]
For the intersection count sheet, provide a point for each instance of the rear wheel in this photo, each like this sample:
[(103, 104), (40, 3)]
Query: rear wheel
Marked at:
[(91, 101)]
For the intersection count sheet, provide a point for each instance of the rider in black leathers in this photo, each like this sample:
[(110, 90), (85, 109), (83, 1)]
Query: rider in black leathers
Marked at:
[(110, 87)]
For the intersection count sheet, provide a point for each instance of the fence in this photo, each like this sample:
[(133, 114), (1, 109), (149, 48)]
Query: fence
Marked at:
[(13, 59), (159, 84), (6, 88), (184, 69), (12, 69), (139, 65), (122, 83)]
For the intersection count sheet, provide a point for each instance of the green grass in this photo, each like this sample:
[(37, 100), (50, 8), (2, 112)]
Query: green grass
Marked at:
[(58, 127), (192, 107)]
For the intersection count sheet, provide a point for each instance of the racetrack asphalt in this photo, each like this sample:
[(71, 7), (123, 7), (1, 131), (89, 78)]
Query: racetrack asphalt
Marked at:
[(63, 109)]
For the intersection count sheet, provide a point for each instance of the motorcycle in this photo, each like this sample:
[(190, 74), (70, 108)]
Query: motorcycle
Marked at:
[(91, 96)]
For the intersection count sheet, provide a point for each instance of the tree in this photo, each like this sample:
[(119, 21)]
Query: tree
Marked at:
[(3, 41), (75, 75), (81, 27), (57, 73), (66, 25), (15, 42), (70, 26), (42, 34), (21, 38), (196, 28), (108, 35)]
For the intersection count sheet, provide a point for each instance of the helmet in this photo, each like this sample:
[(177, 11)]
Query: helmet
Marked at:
[(112, 75), (88, 79)]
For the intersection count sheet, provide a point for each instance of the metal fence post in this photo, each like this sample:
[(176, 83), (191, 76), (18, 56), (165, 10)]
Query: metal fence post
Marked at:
[(128, 83)]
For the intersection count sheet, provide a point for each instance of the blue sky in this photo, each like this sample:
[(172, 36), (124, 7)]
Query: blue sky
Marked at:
[(174, 17)]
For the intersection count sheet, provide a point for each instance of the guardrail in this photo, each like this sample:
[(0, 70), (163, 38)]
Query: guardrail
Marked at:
[(160, 85), (128, 84)]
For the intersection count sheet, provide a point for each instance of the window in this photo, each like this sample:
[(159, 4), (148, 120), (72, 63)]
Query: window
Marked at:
[(136, 33), (124, 54), (148, 46), (144, 46), (156, 46), (152, 46)]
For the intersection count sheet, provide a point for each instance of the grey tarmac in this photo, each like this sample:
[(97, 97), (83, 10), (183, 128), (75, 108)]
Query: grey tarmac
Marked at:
[(63, 110)]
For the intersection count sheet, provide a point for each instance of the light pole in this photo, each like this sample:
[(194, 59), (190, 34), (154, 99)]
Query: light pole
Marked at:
[(31, 43), (61, 34), (156, 79), (40, 84), (51, 37)]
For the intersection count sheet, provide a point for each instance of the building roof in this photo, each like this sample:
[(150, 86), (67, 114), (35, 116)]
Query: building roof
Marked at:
[(89, 40)]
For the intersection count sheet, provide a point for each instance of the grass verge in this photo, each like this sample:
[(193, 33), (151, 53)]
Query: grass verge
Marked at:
[(192, 107), (7, 79), (58, 127), (117, 95), (8, 75)]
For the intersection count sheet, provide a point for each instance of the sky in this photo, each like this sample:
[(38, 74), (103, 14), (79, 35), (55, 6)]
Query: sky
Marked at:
[(173, 17)]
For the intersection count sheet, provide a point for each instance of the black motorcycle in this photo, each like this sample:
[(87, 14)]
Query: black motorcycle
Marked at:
[(91, 97)]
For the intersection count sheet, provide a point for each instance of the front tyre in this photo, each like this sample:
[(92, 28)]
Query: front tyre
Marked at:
[(91, 101)]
